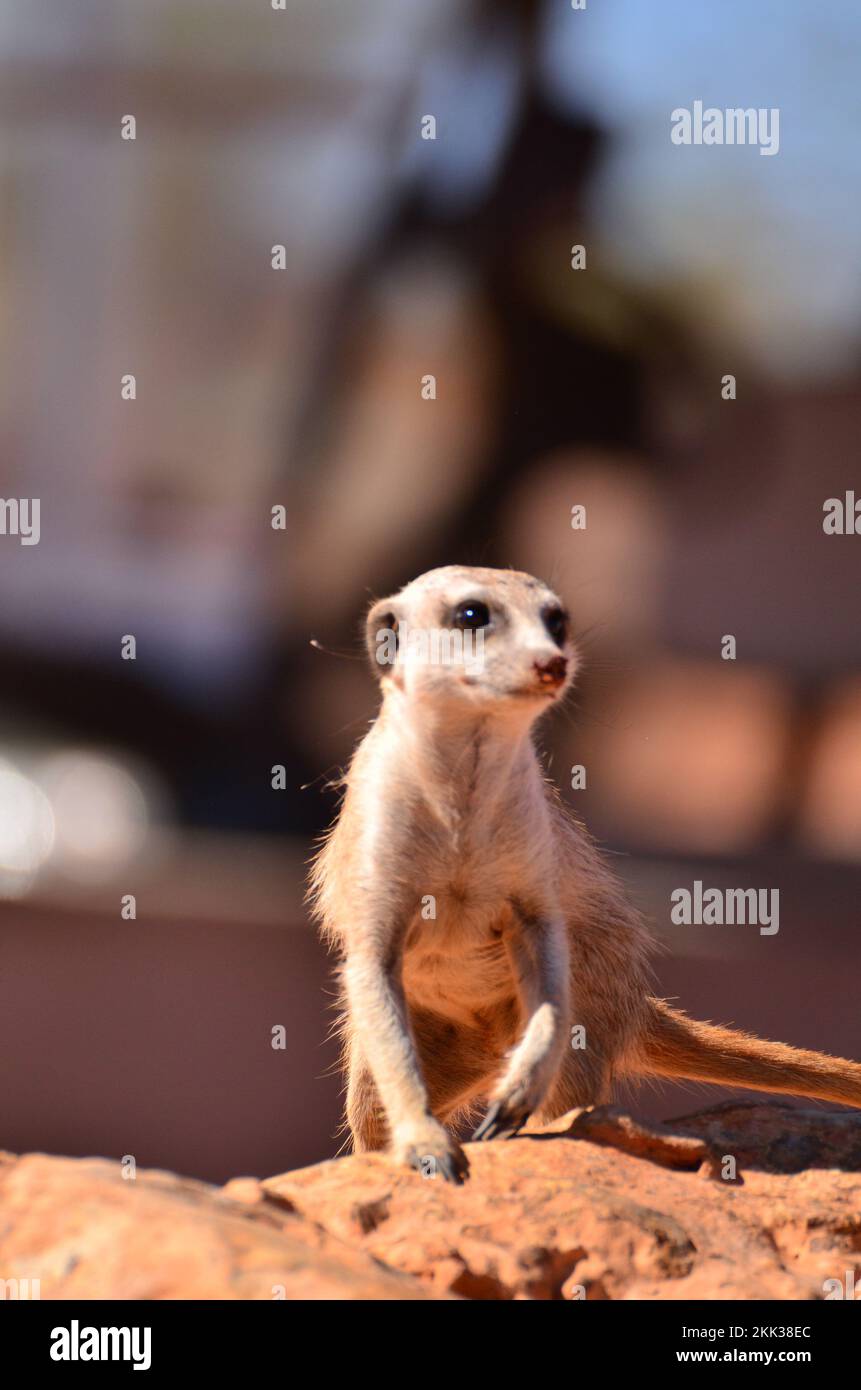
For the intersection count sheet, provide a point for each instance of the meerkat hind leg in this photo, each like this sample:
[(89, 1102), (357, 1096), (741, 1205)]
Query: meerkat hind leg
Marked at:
[(365, 1116), (585, 1088), (582, 1080), (456, 1067)]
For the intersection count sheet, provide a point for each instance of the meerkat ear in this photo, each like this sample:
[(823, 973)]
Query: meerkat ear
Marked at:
[(381, 635)]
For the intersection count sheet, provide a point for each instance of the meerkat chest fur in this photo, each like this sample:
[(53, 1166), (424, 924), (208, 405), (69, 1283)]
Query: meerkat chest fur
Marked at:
[(460, 807), (483, 852)]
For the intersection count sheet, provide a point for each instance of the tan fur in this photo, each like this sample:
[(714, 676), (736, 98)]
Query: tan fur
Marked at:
[(445, 799)]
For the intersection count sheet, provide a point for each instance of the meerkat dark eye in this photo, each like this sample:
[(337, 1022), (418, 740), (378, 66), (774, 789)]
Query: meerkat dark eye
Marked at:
[(556, 623), (471, 615)]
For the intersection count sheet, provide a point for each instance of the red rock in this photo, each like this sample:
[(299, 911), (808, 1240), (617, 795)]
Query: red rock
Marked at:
[(598, 1205), (85, 1232), (544, 1214)]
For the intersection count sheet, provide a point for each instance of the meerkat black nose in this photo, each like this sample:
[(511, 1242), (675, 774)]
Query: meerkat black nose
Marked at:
[(551, 672)]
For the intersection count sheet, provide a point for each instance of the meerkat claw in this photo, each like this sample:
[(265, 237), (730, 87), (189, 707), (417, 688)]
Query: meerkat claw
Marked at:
[(453, 1170), (499, 1123), (451, 1167), (487, 1128)]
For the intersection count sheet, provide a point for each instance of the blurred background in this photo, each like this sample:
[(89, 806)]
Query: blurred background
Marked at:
[(306, 388)]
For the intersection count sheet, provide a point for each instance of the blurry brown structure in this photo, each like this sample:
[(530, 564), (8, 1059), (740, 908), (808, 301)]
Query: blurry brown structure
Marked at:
[(303, 388)]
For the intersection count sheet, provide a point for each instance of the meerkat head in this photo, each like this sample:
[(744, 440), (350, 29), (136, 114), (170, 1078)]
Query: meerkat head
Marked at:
[(494, 639)]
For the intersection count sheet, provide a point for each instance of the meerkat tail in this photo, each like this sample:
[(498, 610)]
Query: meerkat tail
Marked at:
[(674, 1045)]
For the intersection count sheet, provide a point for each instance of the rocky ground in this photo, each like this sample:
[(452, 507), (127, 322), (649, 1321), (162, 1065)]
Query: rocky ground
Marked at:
[(744, 1201)]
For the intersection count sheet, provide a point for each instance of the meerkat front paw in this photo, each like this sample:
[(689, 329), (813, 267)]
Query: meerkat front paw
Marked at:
[(510, 1108), (430, 1149), (527, 1078), (503, 1119)]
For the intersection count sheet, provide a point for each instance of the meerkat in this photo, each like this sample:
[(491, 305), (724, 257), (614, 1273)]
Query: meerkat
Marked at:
[(476, 921)]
